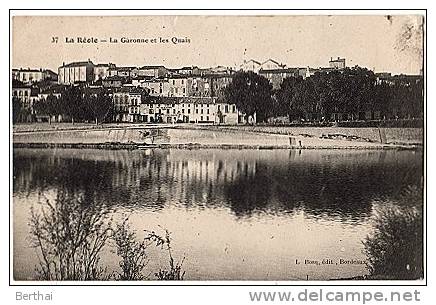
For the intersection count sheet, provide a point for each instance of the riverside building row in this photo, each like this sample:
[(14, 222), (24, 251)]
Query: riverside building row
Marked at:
[(87, 71), (154, 93)]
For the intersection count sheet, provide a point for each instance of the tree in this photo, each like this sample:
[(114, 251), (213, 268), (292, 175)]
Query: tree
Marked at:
[(71, 103), (50, 107), (16, 109), (20, 113), (98, 105), (348, 91), (251, 93), (305, 100), (285, 97)]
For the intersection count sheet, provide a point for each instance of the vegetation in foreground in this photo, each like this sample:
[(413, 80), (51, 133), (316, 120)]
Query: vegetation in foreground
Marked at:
[(70, 234), (395, 249)]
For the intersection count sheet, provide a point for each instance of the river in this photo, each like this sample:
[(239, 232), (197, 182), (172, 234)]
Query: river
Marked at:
[(233, 214)]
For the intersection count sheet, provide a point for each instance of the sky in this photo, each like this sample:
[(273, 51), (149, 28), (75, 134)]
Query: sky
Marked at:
[(380, 43)]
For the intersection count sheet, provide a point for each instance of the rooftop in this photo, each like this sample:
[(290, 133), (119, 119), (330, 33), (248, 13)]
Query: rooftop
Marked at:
[(150, 67), (284, 70), (77, 64), (179, 100)]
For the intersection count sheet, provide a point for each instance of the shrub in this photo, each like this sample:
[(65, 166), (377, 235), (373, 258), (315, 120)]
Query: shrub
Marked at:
[(69, 235), (175, 268), (395, 250), (132, 252)]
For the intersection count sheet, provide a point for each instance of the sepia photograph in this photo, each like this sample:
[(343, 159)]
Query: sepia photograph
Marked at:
[(216, 148)]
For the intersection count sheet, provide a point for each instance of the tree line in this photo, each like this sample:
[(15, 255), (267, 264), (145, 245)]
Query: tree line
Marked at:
[(351, 93), (77, 104)]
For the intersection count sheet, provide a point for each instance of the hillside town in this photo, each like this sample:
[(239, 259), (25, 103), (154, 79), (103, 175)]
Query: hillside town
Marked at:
[(157, 94)]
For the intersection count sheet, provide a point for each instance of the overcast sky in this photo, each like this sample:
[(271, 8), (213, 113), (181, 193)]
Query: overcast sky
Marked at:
[(382, 43)]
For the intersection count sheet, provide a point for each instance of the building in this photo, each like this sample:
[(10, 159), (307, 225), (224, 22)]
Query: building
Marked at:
[(218, 85), (150, 71), (199, 86), (276, 76), (76, 72), (271, 64), (55, 90), (112, 82), (193, 70), (23, 94), (220, 70), (101, 71), (127, 102), (124, 72), (251, 65), (157, 86), (178, 85), (338, 63), (30, 76), (189, 110)]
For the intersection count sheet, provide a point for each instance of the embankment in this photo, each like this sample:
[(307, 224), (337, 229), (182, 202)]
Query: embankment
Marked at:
[(412, 136), (220, 137)]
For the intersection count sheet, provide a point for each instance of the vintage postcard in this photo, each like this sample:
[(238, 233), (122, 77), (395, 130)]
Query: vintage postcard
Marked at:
[(217, 147)]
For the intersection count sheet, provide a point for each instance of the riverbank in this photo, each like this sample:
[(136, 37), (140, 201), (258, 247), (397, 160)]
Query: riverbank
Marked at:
[(118, 146), (137, 136)]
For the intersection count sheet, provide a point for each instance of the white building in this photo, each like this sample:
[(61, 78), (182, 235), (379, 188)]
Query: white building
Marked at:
[(101, 71), (251, 65), (189, 110), (29, 76), (76, 72), (271, 64)]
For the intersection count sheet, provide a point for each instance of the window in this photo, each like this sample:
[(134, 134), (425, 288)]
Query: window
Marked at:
[(207, 111), (196, 111), (183, 110), (234, 108), (207, 118), (189, 110), (201, 118), (151, 111), (201, 111), (227, 109), (174, 82)]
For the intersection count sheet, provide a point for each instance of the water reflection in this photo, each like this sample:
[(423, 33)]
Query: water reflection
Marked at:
[(322, 183), (251, 212)]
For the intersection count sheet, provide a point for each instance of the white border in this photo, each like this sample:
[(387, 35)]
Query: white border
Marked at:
[(208, 12)]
